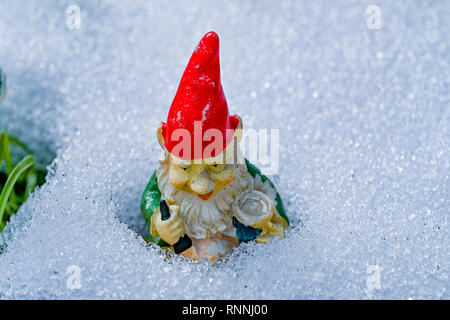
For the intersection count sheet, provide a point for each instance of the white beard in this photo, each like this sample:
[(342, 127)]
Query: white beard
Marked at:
[(205, 218)]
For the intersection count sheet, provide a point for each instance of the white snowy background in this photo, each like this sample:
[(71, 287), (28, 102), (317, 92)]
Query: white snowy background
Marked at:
[(364, 120)]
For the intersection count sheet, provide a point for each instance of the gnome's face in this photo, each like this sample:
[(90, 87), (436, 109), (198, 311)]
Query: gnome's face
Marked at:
[(203, 177), (204, 180)]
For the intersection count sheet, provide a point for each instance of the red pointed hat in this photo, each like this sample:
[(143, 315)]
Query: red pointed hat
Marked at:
[(200, 99)]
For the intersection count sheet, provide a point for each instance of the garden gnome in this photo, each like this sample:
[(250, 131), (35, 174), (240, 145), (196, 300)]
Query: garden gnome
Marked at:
[(205, 198)]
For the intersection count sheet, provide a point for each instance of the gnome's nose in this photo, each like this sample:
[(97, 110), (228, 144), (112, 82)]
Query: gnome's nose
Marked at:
[(203, 184)]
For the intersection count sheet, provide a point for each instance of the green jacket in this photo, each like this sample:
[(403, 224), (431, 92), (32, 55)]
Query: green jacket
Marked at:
[(152, 196)]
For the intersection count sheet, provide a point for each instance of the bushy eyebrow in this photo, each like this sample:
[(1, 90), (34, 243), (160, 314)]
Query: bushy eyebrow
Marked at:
[(180, 162), (183, 164)]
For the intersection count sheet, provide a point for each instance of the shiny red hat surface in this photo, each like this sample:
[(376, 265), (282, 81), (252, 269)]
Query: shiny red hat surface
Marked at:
[(200, 100)]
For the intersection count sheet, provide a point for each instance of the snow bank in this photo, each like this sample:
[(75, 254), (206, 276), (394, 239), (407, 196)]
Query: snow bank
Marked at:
[(363, 115)]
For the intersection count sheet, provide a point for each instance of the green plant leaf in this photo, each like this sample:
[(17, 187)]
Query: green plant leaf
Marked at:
[(18, 170), (5, 153), (26, 177), (31, 183)]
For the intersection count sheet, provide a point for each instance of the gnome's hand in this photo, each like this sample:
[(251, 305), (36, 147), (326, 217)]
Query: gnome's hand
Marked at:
[(172, 229)]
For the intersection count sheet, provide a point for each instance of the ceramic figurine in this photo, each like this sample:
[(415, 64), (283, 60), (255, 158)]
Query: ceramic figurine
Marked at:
[(205, 198)]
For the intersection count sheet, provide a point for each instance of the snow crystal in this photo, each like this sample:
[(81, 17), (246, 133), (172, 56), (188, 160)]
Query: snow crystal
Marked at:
[(363, 112)]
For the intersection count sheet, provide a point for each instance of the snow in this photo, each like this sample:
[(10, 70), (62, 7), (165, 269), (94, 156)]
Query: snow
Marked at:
[(363, 115)]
